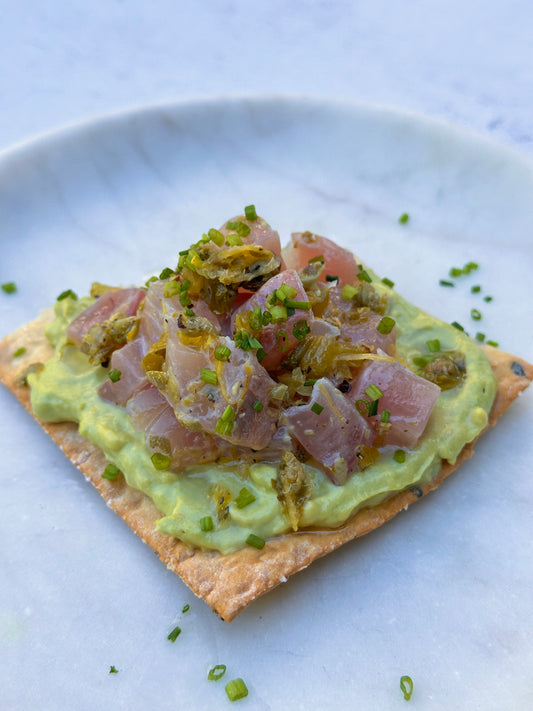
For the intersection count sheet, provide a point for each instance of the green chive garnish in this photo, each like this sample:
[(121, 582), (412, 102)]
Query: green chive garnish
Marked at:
[(67, 294), (279, 313), (114, 375), (388, 282), (171, 288), (494, 344), (110, 472), (385, 416), (399, 456), (349, 292), (373, 392), (222, 353), (245, 498), (310, 381), (160, 461), (258, 406), (173, 636), (480, 336), (216, 237), (208, 376), (255, 541), (316, 408), (475, 314), (406, 685), (362, 406), (9, 287), (455, 272), (373, 408), (364, 275), (113, 670), (404, 218), (206, 524), (19, 352), (434, 345), (443, 282), (233, 240), (250, 213), (217, 672), (386, 325), (236, 689), (185, 608), (457, 326), (488, 299), (302, 305), (300, 329), (166, 273), (475, 289)]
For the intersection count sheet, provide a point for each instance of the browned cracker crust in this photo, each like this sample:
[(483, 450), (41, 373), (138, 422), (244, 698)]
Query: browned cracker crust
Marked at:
[(228, 583)]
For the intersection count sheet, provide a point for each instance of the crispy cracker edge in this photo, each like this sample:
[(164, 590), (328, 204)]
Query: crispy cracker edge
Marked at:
[(229, 583)]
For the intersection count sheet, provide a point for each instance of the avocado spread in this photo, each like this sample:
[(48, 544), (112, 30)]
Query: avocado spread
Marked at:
[(67, 389)]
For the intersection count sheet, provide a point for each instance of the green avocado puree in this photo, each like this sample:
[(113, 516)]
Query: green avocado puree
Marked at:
[(67, 390)]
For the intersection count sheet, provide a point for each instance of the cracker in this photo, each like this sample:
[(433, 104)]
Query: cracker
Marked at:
[(228, 583)]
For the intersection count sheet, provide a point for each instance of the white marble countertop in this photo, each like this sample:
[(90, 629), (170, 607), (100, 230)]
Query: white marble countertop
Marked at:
[(466, 62)]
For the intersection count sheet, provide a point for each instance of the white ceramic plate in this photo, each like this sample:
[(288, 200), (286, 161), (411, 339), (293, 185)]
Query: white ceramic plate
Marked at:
[(442, 594)]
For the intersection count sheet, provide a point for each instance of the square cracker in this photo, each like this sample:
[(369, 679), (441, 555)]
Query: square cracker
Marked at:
[(228, 583)]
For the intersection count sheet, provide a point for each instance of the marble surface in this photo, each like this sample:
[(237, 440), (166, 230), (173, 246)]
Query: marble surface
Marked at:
[(443, 594)]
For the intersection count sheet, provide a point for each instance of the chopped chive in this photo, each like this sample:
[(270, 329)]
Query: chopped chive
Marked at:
[(185, 608), (166, 273), (488, 299), (113, 669), (171, 288), (258, 406), (475, 314), (254, 343), (150, 280), (406, 685), (216, 236), (348, 292), (387, 282), (255, 541), (241, 228), (399, 456), (9, 287), (279, 313), (310, 381), (470, 266), (256, 319), (373, 392), (110, 472), (480, 336), (300, 329), (455, 272), (364, 275), (301, 305), (422, 361), (233, 240), (188, 312), (114, 375), (285, 291), (260, 354), (266, 318), (222, 353), (206, 524), (386, 325), (173, 636), (236, 689), (385, 416), (332, 277), (316, 408), (282, 339), (228, 414), (208, 376), (443, 282), (217, 672), (362, 406), (404, 218), (245, 498), (373, 408), (494, 344), (250, 213), (160, 461), (457, 326), (475, 289), (67, 294), (19, 352), (433, 345)]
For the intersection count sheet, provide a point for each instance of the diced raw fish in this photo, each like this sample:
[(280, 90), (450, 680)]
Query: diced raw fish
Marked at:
[(242, 383), (277, 344), (330, 429), (408, 398), (127, 360), (260, 233), (112, 302), (305, 246)]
